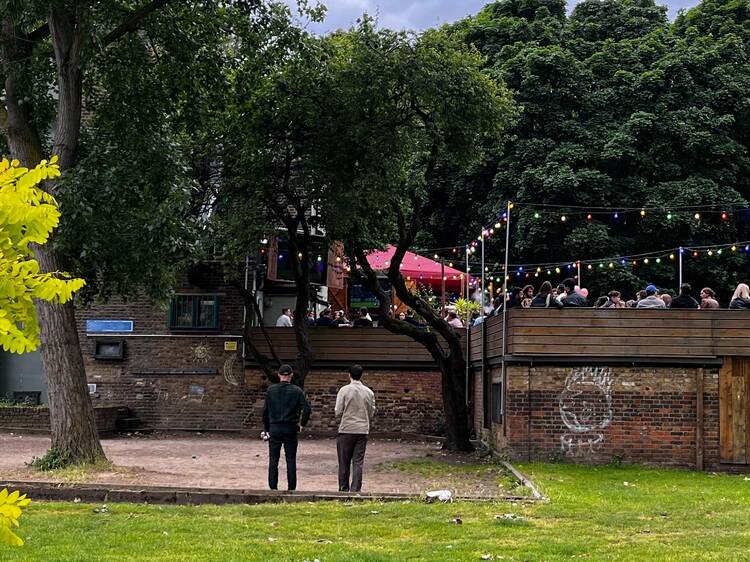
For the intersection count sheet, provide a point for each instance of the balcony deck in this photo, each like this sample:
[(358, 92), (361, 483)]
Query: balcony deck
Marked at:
[(587, 333)]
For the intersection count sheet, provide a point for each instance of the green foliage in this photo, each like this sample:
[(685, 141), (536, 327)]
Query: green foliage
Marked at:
[(621, 109), (27, 216), (465, 307), (51, 460), (406, 105), (10, 513), (142, 184)]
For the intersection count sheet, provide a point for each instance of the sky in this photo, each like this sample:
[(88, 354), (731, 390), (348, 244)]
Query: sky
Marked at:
[(418, 14)]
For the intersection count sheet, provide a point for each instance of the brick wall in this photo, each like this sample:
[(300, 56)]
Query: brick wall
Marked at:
[(188, 380), (37, 418), (601, 414), (407, 402)]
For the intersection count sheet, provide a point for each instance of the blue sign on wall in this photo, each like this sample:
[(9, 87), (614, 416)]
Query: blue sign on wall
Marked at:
[(105, 326)]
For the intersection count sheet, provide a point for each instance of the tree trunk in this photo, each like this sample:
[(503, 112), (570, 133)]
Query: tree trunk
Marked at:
[(305, 356), (453, 376), (451, 362), (73, 428)]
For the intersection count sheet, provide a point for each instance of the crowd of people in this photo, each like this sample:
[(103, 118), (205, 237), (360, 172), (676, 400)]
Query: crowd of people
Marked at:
[(328, 319), (568, 295)]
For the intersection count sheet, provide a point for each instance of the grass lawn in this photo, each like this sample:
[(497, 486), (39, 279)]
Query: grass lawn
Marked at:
[(608, 513)]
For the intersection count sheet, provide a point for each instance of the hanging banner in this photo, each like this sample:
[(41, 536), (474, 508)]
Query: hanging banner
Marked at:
[(273, 258), (335, 277)]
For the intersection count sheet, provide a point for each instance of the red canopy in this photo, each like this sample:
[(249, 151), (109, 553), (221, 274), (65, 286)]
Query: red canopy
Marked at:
[(420, 269)]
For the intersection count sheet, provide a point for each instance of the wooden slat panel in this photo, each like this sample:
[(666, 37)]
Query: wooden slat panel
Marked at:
[(343, 344), (739, 397), (725, 411), (621, 350), (545, 332)]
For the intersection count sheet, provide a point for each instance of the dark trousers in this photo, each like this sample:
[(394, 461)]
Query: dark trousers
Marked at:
[(282, 434), (351, 452)]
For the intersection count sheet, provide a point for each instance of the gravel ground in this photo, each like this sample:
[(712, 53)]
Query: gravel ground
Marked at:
[(230, 461)]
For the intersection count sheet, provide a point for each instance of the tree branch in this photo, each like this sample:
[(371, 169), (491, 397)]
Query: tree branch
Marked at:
[(132, 22), (420, 335)]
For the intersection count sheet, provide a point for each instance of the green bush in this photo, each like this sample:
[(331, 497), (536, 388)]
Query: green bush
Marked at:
[(52, 460)]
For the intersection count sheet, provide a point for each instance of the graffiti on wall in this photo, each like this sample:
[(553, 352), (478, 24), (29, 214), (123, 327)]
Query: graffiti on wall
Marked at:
[(586, 410)]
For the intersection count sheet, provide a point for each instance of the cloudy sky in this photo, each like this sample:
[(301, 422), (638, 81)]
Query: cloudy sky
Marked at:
[(418, 14)]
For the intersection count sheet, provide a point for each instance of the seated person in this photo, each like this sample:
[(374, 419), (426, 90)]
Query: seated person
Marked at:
[(684, 299), (652, 299), (572, 298), (363, 320), (310, 318), (325, 318), (741, 297), (545, 298), (708, 298), (340, 320), (285, 320), (454, 320)]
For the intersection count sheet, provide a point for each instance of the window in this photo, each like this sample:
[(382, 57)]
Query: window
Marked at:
[(108, 349), (194, 312)]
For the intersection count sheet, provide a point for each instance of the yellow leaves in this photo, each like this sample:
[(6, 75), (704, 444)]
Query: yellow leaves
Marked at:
[(10, 513), (28, 215)]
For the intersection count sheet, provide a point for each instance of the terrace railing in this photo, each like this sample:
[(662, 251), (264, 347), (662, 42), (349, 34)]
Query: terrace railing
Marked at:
[(542, 333)]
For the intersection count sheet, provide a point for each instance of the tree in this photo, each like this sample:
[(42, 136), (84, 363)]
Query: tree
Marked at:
[(622, 109), (27, 216), (270, 176), (111, 89), (400, 105)]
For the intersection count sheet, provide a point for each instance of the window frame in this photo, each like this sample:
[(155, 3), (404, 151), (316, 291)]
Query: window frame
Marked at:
[(196, 299)]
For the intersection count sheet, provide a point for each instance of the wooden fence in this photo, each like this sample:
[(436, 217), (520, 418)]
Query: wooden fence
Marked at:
[(584, 332), (589, 332), (344, 346)]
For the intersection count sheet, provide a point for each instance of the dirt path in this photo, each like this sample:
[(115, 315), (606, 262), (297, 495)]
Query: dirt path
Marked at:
[(225, 461)]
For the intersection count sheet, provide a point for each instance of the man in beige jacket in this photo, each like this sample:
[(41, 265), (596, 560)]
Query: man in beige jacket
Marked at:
[(355, 405)]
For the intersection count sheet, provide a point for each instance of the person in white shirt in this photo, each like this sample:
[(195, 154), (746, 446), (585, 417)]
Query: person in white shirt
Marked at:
[(454, 320), (355, 405), (652, 300), (285, 320)]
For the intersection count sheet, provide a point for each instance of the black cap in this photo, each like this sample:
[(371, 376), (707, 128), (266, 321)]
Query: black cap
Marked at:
[(286, 370)]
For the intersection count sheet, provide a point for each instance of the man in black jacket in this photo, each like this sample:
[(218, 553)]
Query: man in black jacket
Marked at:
[(685, 300), (285, 413), (572, 298)]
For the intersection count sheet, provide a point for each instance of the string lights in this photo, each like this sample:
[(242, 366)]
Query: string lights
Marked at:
[(719, 213)]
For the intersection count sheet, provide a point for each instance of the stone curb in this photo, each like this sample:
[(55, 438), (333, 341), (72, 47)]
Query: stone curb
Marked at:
[(115, 493), (528, 482)]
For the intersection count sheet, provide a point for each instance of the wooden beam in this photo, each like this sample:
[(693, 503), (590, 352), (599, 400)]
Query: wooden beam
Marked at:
[(699, 419)]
